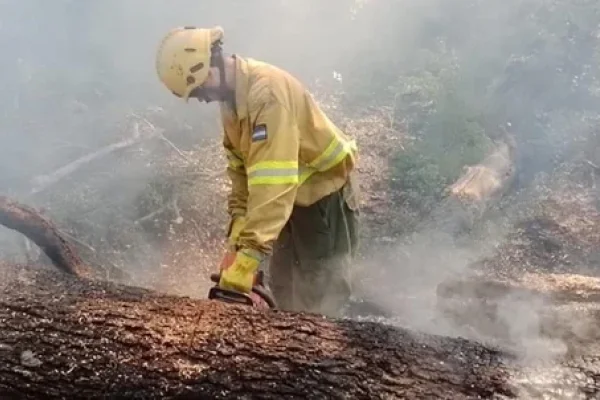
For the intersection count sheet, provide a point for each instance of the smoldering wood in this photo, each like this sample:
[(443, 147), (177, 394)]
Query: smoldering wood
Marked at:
[(63, 335), (476, 191), (489, 179), (556, 331)]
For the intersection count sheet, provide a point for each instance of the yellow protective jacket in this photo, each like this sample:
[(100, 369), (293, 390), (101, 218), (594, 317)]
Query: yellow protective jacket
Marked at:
[(282, 151)]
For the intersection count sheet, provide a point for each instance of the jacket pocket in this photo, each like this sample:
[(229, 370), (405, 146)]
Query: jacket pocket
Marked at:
[(351, 193)]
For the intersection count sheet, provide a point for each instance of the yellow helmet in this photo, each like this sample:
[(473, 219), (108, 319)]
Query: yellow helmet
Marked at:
[(183, 58)]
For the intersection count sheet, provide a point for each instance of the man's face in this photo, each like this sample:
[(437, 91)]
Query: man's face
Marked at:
[(211, 89)]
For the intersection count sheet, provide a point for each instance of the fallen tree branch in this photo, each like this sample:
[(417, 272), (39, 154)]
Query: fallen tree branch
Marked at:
[(42, 182), (53, 242), (172, 145), (153, 214), (170, 205), (43, 233), (591, 164), (163, 137)]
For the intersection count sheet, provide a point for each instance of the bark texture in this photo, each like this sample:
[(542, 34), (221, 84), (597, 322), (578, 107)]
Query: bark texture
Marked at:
[(64, 337), (43, 233)]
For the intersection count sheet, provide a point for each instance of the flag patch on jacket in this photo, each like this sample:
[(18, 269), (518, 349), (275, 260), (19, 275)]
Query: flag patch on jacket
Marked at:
[(260, 133)]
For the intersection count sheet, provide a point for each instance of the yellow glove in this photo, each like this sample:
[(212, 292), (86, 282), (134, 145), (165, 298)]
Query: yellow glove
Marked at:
[(234, 231), (240, 275)]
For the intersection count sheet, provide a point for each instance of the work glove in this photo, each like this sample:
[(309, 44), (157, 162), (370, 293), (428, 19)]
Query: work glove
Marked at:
[(240, 275)]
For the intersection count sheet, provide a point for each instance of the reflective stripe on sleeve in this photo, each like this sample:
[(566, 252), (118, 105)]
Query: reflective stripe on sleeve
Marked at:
[(273, 173), (333, 154)]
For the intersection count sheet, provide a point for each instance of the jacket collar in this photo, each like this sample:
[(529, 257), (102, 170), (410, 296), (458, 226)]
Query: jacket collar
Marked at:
[(241, 86)]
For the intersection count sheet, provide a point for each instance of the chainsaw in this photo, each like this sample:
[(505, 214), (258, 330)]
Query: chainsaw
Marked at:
[(259, 297)]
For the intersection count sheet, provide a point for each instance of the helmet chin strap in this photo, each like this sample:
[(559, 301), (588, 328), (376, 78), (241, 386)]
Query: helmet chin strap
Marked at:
[(217, 60)]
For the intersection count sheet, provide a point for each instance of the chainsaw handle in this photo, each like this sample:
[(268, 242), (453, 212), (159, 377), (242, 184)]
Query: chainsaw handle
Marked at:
[(266, 296)]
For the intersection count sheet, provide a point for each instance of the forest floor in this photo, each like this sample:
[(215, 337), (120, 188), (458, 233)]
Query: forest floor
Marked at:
[(527, 277)]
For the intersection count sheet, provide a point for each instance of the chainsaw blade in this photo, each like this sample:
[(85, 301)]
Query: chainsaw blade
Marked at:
[(229, 296)]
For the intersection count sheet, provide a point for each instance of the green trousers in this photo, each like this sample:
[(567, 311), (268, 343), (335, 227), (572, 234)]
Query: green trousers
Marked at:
[(310, 268)]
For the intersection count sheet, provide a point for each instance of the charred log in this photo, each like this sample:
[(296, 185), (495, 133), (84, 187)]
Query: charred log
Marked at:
[(489, 179), (475, 192), (63, 337)]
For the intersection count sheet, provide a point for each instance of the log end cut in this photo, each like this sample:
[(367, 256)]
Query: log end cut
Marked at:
[(489, 179)]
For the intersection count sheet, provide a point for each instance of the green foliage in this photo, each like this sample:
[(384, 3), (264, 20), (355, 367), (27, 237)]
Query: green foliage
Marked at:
[(448, 134), (459, 72)]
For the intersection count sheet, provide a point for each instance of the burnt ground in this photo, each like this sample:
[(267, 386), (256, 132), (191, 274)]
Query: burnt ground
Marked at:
[(528, 280), (545, 322), (538, 289)]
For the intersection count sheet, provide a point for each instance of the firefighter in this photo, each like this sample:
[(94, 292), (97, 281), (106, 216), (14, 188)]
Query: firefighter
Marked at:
[(293, 203)]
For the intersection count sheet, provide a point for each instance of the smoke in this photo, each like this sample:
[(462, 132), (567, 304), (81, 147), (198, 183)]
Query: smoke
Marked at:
[(74, 72), (80, 76)]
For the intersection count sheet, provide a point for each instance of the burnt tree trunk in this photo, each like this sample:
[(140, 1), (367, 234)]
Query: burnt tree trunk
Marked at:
[(68, 338), (63, 336)]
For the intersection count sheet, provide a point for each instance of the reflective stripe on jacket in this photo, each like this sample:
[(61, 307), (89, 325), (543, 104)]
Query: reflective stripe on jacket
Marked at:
[(282, 150)]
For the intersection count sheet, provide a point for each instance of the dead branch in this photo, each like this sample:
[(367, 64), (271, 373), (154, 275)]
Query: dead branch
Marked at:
[(43, 182), (160, 135), (43, 233), (591, 164), (78, 241), (170, 205)]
